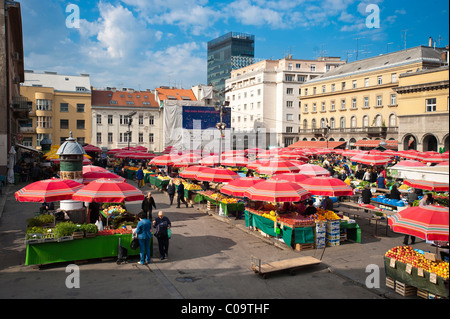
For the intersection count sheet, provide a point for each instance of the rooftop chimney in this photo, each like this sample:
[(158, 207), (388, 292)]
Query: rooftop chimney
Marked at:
[(430, 42)]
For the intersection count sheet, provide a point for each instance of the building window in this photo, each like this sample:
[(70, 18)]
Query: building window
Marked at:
[(305, 124), (289, 129), (141, 119), (343, 86), (306, 108), (333, 87), (81, 140), (44, 105), (44, 122), (313, 123), (64, 107), (394, 77), (314, 90), (323, 106), (99, 119), (289, 91), (353, 122), (313, 68), (366, 82), (151, 120), (80, 108), (151, 138), (306, 91), (354, 84), (392, 120), (342, 122), (289, 117), (110, 138), (393, 99), (289, 104), (314, 109), (141, 138), (99, 138), (378, 120), (365, 121), (300, 78), (333, 106), (332, 123), (342, 104), (63, 124), (380, 80), (80, 124), (289, 78), (366, 101), (354, 103), (298, 66), (430, 105), (379, 100), (120, 137), (110, 119), (323, 89)]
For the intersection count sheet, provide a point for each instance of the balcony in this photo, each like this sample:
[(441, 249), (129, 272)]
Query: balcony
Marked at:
[(379, 130), (21, 107), (27, 130)]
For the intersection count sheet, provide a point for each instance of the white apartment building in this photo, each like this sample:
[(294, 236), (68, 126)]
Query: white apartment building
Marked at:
[(110, 118), (265, 96)]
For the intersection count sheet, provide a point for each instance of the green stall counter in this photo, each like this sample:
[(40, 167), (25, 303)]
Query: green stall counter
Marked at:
[(353, 231), (80, 249)]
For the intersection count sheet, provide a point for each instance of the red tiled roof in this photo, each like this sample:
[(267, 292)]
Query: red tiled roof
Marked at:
[(316, 144), (123, 98), (376, 143), (175, 94)]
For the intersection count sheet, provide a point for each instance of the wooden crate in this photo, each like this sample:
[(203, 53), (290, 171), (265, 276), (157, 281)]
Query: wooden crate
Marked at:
[(210, 206), (422, 293), (303, 247), (390, 282), (404, 289)]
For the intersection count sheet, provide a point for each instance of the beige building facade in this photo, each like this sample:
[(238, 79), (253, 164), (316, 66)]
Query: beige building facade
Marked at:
[(359, 101)]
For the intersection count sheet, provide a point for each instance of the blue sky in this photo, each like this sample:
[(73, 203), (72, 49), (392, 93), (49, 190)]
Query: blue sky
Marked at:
[(144, 44)]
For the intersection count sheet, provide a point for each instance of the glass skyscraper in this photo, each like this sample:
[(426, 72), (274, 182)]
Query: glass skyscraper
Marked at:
[(227, 52)]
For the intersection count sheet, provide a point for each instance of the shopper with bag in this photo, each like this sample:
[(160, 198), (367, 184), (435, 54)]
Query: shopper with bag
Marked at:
[(162, 225), (144, 234)]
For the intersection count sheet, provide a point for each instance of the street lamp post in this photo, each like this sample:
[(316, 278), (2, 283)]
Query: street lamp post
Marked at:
[(130, 120), (221, 126)]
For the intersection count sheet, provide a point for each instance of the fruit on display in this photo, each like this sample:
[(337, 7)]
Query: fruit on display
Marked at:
[(230, 200), (163, 178), (108, 232), (113, 210), (192, 187), (326, 215), (269, 216), (404, 187), (296, 220), (408, 255), (207, 193), (218, 197)]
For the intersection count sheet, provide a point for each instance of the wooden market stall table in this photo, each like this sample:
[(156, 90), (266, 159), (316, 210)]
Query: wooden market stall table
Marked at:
[(80, 249), (434, 284), (290, 234), (161, 184), (227, 208)]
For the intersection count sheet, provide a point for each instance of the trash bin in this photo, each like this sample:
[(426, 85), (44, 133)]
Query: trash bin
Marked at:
[(16, 178)]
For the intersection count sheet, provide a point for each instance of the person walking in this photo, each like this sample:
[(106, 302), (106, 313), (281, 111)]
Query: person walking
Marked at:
[(144, 234), (366, 195), (171, 191), (180, 197), (140, 177), (162, 224), (413, 238), (147, 205)]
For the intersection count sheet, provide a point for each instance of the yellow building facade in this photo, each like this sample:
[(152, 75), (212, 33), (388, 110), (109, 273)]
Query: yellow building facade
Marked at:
[(423, 110), (358, 100), (57, 109)]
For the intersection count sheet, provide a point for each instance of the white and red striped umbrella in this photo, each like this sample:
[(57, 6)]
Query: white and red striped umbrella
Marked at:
[(108, 191), (164, 160), (235, 161), (93, 168), (257, 163), (239, 186), (277, 167), (89, 177), (370, 159), (326, 186), (217, 175), (432, 157), (48, 190), (427, 185), (313, 170), (409, 163), (192, 171), (187, 160), (290, 177), (210, 160), (277, 191)]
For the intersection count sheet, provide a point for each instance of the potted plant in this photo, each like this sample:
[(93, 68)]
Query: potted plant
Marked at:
[(90, 230), (64, 230)]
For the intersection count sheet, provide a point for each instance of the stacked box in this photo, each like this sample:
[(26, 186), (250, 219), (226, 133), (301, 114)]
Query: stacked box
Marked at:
[(333, 232), (321, 231)]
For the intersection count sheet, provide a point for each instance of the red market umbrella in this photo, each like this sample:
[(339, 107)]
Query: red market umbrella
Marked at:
[(217, 175), (186, 161), (233, 153), (443, 163), (142, 155), (257, 163), (277, 191), (277, 167), (313, 170), (370, 159), (108, 191), (432, 157), (93, 168), (428, 222), (92, 148), (254, 150), (192, 171), (48, 190), (235, 161), (164, 160), (290, 177), (239, 186), (409, 154), (350, 153), (427, 185), (409, 163), (89, 177), (326, 186)]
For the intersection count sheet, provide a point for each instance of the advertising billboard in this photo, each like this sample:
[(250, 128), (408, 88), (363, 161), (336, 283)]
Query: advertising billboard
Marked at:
[(204, 117)]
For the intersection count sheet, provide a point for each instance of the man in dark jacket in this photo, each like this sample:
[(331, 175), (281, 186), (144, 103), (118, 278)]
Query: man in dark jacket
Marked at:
[(366, 195), (171, 191), (162, 224), (180, 197), (147, 205)]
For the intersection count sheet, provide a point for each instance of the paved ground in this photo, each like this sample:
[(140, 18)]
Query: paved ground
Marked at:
[(209, 258)]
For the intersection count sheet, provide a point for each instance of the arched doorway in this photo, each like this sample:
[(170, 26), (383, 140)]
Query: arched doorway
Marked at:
[(430, 143), (409, 142), (446, 143)]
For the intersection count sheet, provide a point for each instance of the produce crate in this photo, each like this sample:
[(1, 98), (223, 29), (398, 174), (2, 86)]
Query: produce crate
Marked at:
[(404, 289), (210, 206), (65, 238), (78, 235), (303, 247), (390, 282), (422, 293)]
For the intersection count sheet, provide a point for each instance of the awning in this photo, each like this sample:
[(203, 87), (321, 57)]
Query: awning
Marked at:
[(375, 143), (317, 144), (28, 148)]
